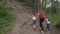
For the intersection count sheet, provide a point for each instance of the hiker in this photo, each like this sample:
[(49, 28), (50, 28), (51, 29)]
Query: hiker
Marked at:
[(48, 23), (34, 20), (41, 20)]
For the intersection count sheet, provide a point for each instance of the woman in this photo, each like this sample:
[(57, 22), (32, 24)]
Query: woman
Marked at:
[(41, 20)]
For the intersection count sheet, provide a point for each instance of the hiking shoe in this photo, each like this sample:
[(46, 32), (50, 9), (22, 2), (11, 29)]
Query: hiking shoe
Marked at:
[(42, 32)]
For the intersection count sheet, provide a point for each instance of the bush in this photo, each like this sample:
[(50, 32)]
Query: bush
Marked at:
[(3, 10), (6, 19)]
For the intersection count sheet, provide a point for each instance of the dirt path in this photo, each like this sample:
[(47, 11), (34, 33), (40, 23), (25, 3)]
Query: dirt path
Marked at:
[(23, 20)]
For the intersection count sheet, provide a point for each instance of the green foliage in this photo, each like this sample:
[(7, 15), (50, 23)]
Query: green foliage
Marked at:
[(3, 10), (6, 19), (54, 18)]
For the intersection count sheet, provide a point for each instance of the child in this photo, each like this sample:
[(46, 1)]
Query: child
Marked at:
[(34, 20), (48, 24)]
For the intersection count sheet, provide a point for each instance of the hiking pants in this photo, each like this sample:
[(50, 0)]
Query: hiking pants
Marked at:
[(48, 27), (41, 24)]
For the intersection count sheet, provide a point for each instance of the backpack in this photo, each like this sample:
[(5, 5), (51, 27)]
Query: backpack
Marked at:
[(41, 15)]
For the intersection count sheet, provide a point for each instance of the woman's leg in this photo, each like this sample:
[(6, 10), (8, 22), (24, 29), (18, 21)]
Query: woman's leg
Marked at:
[(41, 25)]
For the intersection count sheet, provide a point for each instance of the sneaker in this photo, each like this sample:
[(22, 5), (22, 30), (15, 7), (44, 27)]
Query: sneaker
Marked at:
[(42, 32)]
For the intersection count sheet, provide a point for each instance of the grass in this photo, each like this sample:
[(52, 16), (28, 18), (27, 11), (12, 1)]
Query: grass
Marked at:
[(5, 24), (6, 19)]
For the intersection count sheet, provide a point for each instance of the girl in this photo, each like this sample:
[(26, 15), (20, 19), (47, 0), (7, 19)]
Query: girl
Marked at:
[(48, 24), (34, 20)]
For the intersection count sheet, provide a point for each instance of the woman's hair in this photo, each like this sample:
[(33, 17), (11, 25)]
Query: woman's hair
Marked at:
[(41, 11), (34, 14)]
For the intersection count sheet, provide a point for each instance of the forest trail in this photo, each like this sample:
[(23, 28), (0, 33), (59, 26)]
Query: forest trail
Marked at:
[(24, 21)]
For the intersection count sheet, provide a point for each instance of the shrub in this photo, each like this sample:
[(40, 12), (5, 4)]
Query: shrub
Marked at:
[(6, 19)]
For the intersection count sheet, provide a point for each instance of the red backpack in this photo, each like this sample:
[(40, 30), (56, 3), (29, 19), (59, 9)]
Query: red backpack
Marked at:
[(41, 15)]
